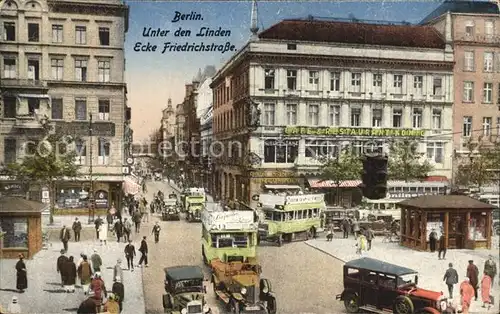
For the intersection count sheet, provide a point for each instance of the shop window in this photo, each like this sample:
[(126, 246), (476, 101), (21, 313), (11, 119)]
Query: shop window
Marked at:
[(16, 232), (72, 198), (477, 227)]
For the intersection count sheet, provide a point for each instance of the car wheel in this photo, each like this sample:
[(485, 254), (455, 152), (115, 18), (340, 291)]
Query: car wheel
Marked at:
[(351, 303), (280, 240), (403, 305)]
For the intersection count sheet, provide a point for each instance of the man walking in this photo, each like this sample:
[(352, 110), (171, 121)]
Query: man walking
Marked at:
[(77, 228), (156, 232), (96, 261), (137, 220), (119, 290), (355, 228), (442, 247), (130, 255), (473, 275), (490, 268), (144, 252), (117, 270), (450, 278), (369, 237), (118, 230), (345, 228), (61, 261), (98, 223), (64, 236), (127, 229)]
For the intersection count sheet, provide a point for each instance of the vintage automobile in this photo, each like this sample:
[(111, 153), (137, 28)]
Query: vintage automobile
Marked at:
[(185, 291), (376, 286), (170, 210)]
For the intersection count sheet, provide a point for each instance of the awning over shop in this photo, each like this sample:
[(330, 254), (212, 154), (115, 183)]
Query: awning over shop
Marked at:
[(282, 187), (318, 183), (130, 186)]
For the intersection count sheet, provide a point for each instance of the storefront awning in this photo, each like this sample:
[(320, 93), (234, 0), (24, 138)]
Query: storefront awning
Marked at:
[(282, 187), (318, 183), (130, 186), (33, 96)]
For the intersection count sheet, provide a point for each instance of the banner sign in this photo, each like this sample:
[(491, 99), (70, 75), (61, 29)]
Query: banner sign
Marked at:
[(353, 131), (101, 199), (228, 220), (304, 199)]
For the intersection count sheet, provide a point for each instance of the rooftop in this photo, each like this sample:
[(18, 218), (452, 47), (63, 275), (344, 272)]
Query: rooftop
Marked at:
[(415, 36), (445, 202), (17, 205), (471, 7), (379, 266), (184, 272)]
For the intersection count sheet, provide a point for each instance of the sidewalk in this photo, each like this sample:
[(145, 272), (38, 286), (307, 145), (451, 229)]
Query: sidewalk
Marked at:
[(431, 270)]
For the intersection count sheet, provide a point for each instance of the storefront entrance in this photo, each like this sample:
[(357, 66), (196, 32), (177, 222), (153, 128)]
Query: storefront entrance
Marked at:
[(457, 231)]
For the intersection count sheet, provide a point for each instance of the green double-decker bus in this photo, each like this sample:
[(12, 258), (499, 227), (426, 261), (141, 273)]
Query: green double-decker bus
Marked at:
[(228, 235), (291, 217)]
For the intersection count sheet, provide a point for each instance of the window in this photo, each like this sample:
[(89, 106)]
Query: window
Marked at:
[(9, 107), (81, 35), (377, 82), (33, 69), (321, 148), (488, 29), (398, 84), (335, 81), (417, 118), (469, 91), (104, 109), (9, 150), (81, 70), (277, 151), (436, 119), (355, 116), (376, 118), (313, 114), (356, 82), (291, 46), (16, 232), (334, 115), (313, 80), (488, 62), (418, 83), (9, 68), (291, 114), (104, 36), (57, 66), (104, 71), (487, 126), (81, 152), (469, 29), (269, 79), (57, 33), (80, 109), (397, 118), (9, 31), (33, 105), (33, 32), (269, 114), (488, 93), (437, 86), (469, 61), (435, 152), (57, 108), (467, 126), (103, 151), (291, 79)]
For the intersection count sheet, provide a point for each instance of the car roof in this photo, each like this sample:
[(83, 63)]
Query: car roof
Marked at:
[(379, 266), (184, 272)]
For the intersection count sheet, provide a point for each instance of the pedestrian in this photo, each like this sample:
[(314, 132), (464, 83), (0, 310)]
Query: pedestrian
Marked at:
[(466, 292), (69, 270), (112, 306), (144, 252), (131, 208), (96, 261), (369, 237), (98, 223), (486, 283), (156, 232), (127, 229), (97, 285), (109, 219), (137, 221), (14, 307), (103, 234), (61, 260), (80, 260), (442, 247), (117, 270), (89, 306), (85, 274), (490, 268), (450, 278), (361, 244), (345, 228), (77, 228), (329, 233), (65, 236), (473, 275), (21, 275), (433, 240), (130, 255), (355, 228), (118, 290), (118, 229)]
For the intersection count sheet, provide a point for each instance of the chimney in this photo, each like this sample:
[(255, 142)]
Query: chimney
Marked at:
[(448, 35), (254, 28)]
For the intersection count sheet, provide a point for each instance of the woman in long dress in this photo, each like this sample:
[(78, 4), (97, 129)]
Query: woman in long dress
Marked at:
[(22, 278), (486, 290), (103, 234), (70, 275)]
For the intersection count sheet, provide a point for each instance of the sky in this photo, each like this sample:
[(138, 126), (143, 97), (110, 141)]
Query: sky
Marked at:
[(153, 77)]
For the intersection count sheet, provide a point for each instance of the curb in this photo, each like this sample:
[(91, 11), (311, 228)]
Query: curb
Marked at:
[(325, 252)]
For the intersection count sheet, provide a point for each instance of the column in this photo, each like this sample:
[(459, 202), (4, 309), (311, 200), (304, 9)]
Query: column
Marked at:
[(366, 116), (426, 118), (489, 222), (407, 116), (446, 227), (344, 115), (407, 223), (386, 116), (423, 235)]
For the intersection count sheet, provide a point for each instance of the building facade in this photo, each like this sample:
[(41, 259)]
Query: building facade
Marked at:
[(280, 101), (63, 61), (204, 113), (167, 127)]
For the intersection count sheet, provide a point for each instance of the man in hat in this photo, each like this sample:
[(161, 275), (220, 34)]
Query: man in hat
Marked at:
[(130, 254), (156, 231), (77, 228), (127, 228), (473, 275), (490, 268), (96, 261), (144, 252), (451, 278), (117, 270), (14, 307), (61, 261), (65, 236), (118, 290)]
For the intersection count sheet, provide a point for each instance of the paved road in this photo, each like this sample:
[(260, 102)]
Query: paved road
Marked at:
[(304, 279)]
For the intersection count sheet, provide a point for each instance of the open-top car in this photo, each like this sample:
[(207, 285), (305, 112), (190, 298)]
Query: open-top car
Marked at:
[(376, 286), (185, 291)]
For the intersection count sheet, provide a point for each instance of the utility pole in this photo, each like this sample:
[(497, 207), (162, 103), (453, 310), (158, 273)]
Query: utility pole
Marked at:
[(91, 189)]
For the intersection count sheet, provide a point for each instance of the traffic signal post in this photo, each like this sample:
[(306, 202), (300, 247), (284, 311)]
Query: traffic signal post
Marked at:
[(374, 177)]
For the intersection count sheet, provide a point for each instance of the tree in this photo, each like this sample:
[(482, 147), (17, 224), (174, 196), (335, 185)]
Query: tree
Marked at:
[(346, 166), (50, 161), (472, 170), (405, 163)]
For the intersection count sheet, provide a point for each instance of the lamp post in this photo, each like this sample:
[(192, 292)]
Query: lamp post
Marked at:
[(91, 189)]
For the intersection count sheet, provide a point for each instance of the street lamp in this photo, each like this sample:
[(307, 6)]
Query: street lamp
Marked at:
[(91, 189)]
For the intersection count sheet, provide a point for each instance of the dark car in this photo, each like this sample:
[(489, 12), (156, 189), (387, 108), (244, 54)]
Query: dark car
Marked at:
[(376, 286)]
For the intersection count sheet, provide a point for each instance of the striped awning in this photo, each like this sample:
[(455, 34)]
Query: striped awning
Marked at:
[(318, 183), (130, 186)]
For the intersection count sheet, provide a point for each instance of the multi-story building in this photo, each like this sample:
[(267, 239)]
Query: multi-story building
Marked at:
[(167, 127), (63, 61), (475, 28), (281, 101), (204, 113)]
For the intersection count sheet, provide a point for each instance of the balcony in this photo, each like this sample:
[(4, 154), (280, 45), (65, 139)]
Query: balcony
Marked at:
[(19, 83), (479, 38), (28, 122)]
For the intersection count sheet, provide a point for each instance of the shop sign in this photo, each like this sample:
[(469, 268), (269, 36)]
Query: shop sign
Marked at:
[(276, 180), (304, 199), (273, 174), (101, 199), (354, 131), (12, 189), (404, 195)]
